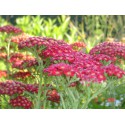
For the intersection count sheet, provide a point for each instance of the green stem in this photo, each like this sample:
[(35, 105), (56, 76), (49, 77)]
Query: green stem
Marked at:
[(8, 56), (41, 81), (63, 102), (38, 98)]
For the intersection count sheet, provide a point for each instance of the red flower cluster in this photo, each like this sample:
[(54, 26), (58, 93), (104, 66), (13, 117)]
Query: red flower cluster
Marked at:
[(78, 45), (82, 65), (21, 61), (53, 96), (112, 49), (21, 75), (33, 88), (86, 63), (113, 70), (60, 69), (74, 57), (57, 50), (21, 101), (73, 84), (24, 63), (70, 57), (11, 88), (19, 56), (87, 67), (39, 41), (20, 38), (10, 29), (3, 56), (111, 99), (92, 74), (84, 71), (3, 73), (53, 47), (103, 57)]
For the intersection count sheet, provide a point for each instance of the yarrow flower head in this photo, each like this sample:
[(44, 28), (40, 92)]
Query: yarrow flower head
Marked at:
[(112, 49), (19, 56), (3, 73), (56, 49), (64, 56), (103, 57), (92, 74), (21, 101), (53, 96), (111, 99), (39, 41), (60, 69), (87, 67), (78, 46), (113, 70), (3, 56), (11, 88), (10, 29), (32, 88), (21, 75), (73, 84), (22, 64), (19, 38), (82, 65), (21, 61)]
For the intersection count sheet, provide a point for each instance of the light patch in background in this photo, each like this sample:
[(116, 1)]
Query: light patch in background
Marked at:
[(58, 7)]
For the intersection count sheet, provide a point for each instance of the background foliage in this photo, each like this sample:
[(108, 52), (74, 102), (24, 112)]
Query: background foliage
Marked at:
[(87, 28)]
